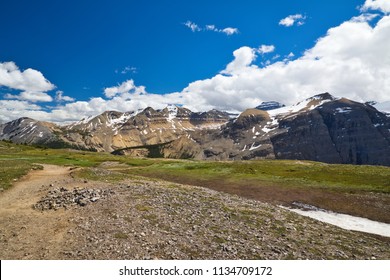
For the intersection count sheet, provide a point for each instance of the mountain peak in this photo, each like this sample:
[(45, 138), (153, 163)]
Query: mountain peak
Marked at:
[(172, 110), (306, 105), (322, 96), (270, 105), (322, 128)]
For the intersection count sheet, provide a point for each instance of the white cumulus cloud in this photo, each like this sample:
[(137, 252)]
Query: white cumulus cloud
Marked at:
[(243, 57), (28, 80), (229, 31), (124, 88), (30, 96), (14, 109), (61, 97), (351, 60), (31, 82), (297, 19), (211, 27), (263, 49), (193, 26), (381, 5)]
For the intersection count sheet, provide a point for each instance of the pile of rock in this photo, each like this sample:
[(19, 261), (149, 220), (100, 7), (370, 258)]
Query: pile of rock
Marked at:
[(64, 198)]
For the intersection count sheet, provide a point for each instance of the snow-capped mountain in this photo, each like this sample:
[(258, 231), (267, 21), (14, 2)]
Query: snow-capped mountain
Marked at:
[(321, 128), (270, 105), (113, 130)]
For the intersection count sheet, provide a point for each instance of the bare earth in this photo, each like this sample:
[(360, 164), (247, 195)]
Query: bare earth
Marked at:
[(25, 232), (150, 219)]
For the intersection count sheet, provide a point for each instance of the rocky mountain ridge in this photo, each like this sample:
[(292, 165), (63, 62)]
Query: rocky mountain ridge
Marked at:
[(114, 130), (321, 128)]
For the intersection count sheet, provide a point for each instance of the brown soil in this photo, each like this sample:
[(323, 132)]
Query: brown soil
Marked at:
[(148, 219), (374, 206), (25, 230)]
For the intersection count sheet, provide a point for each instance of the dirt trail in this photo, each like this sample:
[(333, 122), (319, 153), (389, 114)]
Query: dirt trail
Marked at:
[(145, 219), (26, 233)]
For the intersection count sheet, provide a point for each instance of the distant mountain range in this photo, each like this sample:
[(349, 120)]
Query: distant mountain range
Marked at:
[(321, 128)]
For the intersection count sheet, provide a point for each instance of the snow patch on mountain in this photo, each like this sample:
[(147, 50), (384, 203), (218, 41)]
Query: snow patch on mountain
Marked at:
[(305, 105), (344, 110), (254, 147), (172, 111)]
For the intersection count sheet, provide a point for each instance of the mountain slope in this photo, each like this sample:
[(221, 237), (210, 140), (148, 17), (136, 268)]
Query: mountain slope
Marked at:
[(113, 130), (321, 128), (339, 131), (29, 131)]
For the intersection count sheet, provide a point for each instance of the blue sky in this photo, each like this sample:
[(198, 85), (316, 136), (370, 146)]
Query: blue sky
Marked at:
[(84, 57)]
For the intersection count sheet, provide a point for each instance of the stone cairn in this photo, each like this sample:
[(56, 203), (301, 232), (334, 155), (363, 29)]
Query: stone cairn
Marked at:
[(64, 198)]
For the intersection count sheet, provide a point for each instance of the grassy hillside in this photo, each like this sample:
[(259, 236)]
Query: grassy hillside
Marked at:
[(359, 190), (349, 178)]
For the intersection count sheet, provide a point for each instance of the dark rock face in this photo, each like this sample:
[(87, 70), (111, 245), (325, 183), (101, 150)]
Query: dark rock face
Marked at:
[(360, 133), (305, 137), (340, 131)]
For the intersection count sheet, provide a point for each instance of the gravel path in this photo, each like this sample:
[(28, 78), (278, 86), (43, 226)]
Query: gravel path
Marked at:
[(151, 219)]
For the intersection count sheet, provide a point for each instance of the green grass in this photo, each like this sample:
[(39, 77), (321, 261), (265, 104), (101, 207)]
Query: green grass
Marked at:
[(102, 175), (346, 178), (11, 170), (58, 156), (17, 160)]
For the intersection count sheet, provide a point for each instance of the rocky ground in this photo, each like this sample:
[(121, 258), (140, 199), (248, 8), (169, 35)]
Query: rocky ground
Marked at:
[(51, 215)]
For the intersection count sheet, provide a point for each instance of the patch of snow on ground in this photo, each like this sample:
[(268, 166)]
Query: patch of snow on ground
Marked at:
[(345, 221)]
